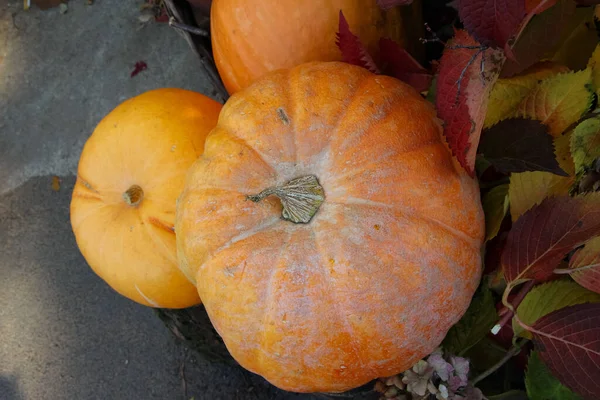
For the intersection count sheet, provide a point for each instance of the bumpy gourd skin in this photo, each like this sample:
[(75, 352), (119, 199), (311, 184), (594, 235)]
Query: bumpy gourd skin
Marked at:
[(387, 264), (250, 38), (147, 142)]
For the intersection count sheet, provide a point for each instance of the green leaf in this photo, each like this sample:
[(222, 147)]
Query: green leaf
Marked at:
[(484, 355), (431, 93), (548, 297), (474, 325), (495, 206), (585, 144), (540, 383)]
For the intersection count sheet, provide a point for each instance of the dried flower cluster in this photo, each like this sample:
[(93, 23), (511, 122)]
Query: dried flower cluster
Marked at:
[(436, 377)]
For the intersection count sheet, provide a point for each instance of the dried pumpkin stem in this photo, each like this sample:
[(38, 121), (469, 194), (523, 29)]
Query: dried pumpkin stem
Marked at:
[(300, 198), (133, 196)]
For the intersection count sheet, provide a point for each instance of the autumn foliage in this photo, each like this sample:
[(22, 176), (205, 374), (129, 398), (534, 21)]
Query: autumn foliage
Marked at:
[(517, 88)]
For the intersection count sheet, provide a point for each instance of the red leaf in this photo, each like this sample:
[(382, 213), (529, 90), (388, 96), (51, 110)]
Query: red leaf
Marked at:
[(568, 341), (533, 7), (398, 62), (466, 75), (163, 17), (492, 22), (542, 236), (139, 67), (387, 4), (586, 262), (353, 51)]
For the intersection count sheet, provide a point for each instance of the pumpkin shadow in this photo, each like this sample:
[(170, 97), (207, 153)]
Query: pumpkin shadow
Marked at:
[(67, 334), (9, 388)]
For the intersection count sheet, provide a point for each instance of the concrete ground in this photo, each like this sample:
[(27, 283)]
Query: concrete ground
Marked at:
[(64, 334)]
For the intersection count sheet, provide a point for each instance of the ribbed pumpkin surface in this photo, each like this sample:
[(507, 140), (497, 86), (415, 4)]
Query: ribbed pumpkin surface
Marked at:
[(130, 173), (387, 264), (251, 38)]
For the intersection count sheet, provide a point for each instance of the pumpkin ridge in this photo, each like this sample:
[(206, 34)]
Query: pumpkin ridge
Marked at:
[(197, 190), (336, 126), (156, 222), (355, 201), (148, 227), (341, 316), (456, 232), (288, 114), (363, 167), (245, 235), (398, 214), (90, 197), (244, 142), (90, 213), (160, 179), (86, 185), (148, 299), (397, 282), (269, 299), (391, 96), (237, 238)]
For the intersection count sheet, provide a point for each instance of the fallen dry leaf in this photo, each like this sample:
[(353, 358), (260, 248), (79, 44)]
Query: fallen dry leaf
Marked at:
[(55, 183), (139, 67)]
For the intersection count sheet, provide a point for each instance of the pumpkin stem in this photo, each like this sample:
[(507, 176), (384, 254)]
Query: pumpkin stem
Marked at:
[(300, 198), (133, 196)]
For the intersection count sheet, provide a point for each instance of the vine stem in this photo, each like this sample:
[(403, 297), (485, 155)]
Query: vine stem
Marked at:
[(513, 351), (180, 17), (188, 28), (509, 309), (571, 270)]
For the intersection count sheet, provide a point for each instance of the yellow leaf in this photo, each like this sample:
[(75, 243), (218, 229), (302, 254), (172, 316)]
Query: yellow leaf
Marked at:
[(585, 144), (562, 150), (55, 183), (548, 297), (594, 65), (576, 48), (585, 264), (527, 189), (508, 93), (495, 206), (559, 101)]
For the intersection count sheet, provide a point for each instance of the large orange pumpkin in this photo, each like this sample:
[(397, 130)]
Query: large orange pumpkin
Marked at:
[(130, 173), (375, 252), (250, 38)]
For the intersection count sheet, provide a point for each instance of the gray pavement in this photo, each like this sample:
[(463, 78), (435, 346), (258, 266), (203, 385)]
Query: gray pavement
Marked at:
[(64, 334)]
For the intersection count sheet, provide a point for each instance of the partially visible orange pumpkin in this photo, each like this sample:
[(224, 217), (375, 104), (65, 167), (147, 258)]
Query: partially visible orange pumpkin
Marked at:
[(376, 253), (251, 38), (130, 173)]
